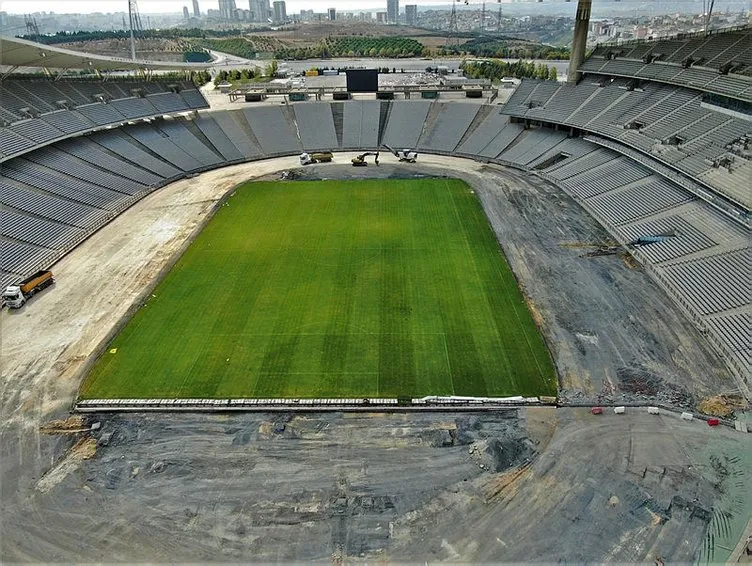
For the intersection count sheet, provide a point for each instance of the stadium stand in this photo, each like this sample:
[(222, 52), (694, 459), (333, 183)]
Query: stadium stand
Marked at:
[(445, 127), (405, 124), (671, 125), (218, 138), (235, 126), (274, 130), (39, 111), (720, 50), (316, 126), (484, 134), (361, 124)]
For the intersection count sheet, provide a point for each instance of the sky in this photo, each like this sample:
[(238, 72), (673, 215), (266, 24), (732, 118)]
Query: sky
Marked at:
[(165, 6)]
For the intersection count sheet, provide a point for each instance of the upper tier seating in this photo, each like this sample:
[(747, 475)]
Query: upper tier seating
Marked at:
[(671, 124), (720, 63), (35, 112)]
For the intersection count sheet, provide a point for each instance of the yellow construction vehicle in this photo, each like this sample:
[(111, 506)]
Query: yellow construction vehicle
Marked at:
[(360, 160)]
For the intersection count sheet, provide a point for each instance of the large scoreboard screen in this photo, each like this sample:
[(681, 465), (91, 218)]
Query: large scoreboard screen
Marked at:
[(362, 80)]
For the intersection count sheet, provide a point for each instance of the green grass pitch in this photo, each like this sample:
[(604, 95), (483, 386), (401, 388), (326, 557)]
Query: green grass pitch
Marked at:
[(334, 289)]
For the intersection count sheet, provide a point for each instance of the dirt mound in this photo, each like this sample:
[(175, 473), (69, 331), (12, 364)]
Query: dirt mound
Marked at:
[(508, 453), (73, 424), (721, 405), (84, 449), (638, 380)]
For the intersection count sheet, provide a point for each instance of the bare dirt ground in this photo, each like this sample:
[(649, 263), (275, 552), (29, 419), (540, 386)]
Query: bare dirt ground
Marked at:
[(311, 34), (387, 487), (148, 49), (398, 487)]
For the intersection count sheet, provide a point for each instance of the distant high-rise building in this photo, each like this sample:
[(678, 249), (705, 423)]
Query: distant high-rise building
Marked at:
[(227, 9), (259, 9), (392, 11), (332, 14), (381, 17), (280, 12), (411, 14), (196, 11), (186, 13)]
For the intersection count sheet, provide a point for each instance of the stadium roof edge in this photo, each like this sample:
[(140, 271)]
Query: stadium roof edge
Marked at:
[(16, 52)]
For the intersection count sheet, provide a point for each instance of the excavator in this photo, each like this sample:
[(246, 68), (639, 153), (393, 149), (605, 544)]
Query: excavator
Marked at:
[(404, 155), (360, 160)]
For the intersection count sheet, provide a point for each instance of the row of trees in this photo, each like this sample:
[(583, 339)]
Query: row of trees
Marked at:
[(506, 49), (234, 76), (355, 47), (367, 46), (198, 78), (73, 36), (496, 70)]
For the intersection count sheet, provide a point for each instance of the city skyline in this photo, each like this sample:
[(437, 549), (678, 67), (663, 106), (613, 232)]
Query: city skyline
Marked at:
[(176, 6), (559, 8)]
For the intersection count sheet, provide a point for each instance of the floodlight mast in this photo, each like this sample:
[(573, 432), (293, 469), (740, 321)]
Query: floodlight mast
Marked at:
[(453, 31), (708, 12), (579, 39), (135, 24), (32, 29)]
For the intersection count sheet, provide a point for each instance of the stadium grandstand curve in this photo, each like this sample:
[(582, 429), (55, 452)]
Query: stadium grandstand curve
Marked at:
[(654, 137)]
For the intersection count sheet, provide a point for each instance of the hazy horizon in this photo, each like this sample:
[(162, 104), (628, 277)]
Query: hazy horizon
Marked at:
[(172, 6), (294, 6)]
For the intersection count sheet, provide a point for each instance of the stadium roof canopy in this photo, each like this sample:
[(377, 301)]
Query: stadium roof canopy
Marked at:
[(15, 52)]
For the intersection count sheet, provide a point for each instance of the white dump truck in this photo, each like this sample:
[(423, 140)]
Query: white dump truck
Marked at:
[(16, 295), (320, 157)]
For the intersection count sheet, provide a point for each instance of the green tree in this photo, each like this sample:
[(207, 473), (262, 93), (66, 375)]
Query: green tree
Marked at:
[(271, 69)]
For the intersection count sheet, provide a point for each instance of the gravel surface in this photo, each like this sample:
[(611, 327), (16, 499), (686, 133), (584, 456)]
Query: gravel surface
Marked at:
[(533, 485)]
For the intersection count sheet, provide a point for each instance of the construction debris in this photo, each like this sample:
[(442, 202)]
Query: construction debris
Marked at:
[(721, 405), (71, 425)]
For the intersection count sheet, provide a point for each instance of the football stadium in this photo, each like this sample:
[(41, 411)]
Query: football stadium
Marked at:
[(423, 323)]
